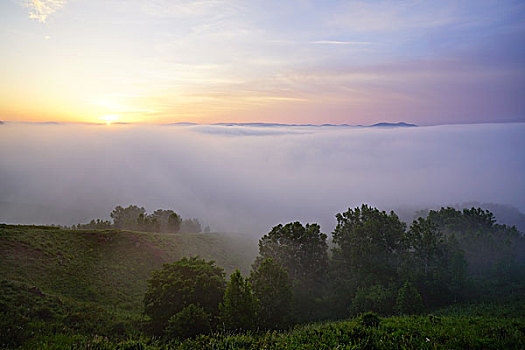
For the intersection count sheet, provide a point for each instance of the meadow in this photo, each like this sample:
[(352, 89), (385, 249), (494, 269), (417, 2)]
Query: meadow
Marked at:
[(83, 289)]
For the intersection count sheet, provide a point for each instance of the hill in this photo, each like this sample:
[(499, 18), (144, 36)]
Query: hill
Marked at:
[(107, 267), (83, 289), (393, 125)]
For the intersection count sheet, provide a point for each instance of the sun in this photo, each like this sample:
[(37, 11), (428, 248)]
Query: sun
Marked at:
[(109, 118)]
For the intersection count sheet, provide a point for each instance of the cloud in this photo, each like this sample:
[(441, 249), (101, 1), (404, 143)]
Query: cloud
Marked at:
[(41, 9), (211, 9), (246, 131), (380, 16), (246, 180)]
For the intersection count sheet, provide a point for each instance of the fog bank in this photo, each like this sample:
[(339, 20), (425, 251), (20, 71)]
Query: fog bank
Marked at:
[(247, 179)]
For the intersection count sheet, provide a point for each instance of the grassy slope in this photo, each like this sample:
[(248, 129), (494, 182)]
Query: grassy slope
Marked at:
[(407, 332), (410, 332), (83, 277), (107, 267)]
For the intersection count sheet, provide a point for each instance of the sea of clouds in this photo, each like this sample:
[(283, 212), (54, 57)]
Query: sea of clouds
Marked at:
[(247, 179)]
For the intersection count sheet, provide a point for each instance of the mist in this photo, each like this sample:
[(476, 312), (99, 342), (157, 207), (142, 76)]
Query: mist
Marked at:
[(248, 179)]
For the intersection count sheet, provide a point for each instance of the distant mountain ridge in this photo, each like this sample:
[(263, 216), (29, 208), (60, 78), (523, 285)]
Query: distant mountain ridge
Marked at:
[(393, 125), (256, 124), (383, 124)]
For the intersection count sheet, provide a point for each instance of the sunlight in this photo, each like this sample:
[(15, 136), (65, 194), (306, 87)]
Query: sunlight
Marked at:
[(109, 118)]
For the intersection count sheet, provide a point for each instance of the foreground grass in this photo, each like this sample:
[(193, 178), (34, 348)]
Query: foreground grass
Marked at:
[(422, 332), (392, 333), (30, 319)]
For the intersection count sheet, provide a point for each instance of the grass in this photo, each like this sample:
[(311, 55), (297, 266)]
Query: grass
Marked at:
[(83, 289), (409, 332), (59, 285), (107, 267)]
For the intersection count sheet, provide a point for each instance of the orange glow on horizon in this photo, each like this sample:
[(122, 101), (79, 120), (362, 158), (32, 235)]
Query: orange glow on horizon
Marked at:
[(110, 118)]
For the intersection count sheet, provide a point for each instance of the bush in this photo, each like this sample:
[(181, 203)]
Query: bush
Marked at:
[(409, 300), (375, 298), (192, 320), (178, 285), (370, 319)]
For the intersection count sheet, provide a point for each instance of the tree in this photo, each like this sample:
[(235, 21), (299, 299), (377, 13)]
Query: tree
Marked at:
[(177, 285), (433, 262), (169, 221), (135, 218), (369, 244), (239, 308), (147, 223), (126, 218), (272, 288), (376, 298), (189, 322), (409, 300), (426, 245), (173, 224), (303, 252), (491, 250), (95, 224), (190, 226)]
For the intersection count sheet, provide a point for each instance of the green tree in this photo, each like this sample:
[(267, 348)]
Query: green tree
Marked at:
[(97, 224), (369, 244), (173, 224), (426, 245), (376, 298), (239, 308), (147, 223), (433, 263), (189, 322), (303, 253), (177, 285), (190, 226), (487, 245), (126, 218), (272, 288), (301, 250), (168, 220), (409, 300)]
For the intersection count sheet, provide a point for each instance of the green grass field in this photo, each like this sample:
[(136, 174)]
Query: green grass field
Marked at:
[(108, 267), (64, 289), (413, 332)]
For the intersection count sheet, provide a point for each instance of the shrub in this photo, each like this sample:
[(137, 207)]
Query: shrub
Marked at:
[(192, 320), (370, 319), (375, 298), (178, 285), (409, 300)]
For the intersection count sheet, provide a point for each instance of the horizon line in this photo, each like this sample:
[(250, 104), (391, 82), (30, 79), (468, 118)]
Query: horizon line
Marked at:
[(252, 124)]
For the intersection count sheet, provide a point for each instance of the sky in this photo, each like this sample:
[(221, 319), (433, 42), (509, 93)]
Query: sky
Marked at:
[(248, 179), (286, 61)]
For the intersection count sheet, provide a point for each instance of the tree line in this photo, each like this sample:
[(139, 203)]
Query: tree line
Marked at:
[(374, 263), (135, 218)]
